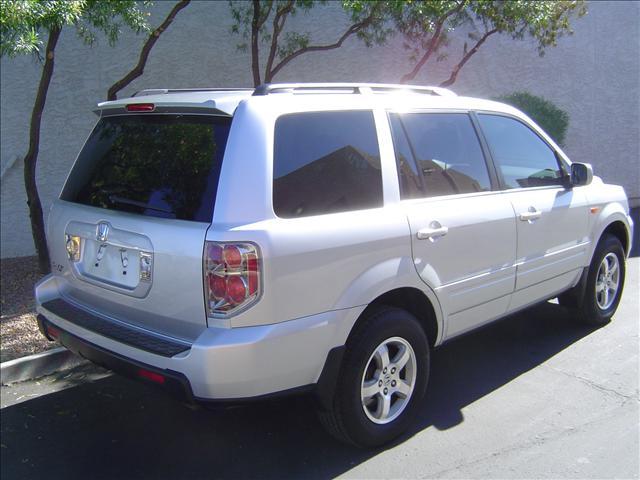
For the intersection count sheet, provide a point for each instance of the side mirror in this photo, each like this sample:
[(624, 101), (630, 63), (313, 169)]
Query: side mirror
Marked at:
[(581, 174)]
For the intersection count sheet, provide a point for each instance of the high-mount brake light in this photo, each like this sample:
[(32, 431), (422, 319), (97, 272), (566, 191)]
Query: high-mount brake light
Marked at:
[(141, 107), (231, 277)]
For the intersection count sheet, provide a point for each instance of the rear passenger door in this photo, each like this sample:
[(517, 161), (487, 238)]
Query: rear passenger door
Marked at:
[(463, 233), (552, 220)]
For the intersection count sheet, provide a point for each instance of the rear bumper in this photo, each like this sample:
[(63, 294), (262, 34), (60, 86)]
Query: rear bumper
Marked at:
[(174, 382), (223, 364)]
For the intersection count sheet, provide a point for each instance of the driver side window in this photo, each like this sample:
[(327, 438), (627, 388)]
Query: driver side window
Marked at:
[(523, 158)]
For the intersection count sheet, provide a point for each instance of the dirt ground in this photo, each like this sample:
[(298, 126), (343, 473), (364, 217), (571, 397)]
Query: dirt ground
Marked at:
[(19, 335)]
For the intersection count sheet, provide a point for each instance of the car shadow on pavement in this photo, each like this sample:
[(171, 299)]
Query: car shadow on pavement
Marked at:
[(116, 428)]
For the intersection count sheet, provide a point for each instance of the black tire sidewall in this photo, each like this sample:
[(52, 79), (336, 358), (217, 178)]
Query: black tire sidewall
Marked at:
[(387, 323), (592, 313)]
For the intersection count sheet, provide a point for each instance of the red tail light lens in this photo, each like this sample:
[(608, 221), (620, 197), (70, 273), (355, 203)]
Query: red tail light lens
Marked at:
[(236, 291), (141, 107), (231, 277), (232, 256), (217, 287), (252, 273)]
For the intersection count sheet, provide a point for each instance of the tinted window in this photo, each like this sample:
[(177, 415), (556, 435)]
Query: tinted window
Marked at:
[(411, 185), (447, 153), (325, 162), (522, 157), (156, 165)]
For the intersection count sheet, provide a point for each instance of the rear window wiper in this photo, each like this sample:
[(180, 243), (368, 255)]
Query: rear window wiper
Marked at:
[(135, 203)]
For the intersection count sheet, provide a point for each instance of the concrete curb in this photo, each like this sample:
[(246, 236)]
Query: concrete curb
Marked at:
[(38, 365)]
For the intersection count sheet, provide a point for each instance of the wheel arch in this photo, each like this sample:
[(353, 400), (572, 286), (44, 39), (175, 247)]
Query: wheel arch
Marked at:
[(413, 300), (618, 229), (612, 219)]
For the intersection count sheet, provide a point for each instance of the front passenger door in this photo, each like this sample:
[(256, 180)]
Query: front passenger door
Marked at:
[(552, 220)]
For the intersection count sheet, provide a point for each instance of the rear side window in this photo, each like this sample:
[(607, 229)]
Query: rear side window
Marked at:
[(156, 165), (523, 158), (411, 184), (446, 152), (326, 162)]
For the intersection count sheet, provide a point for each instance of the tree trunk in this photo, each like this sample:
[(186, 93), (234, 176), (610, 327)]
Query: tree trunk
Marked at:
[(138, 70), (30, 160), (255, 50)]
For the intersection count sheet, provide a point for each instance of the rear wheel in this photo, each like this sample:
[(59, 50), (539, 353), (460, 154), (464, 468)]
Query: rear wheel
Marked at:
[(604, 284), (382, 380)]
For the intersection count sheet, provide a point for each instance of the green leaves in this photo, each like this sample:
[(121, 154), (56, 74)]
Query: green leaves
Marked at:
[(23, 22), (552, 119), (545, 21), (425, 25)]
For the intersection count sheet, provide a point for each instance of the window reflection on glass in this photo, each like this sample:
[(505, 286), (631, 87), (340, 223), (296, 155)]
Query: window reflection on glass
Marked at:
[(523, 158), (157, 165), (326, 162), (446, 151)]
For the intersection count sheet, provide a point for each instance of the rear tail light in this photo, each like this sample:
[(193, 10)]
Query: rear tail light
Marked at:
[(231, 277)]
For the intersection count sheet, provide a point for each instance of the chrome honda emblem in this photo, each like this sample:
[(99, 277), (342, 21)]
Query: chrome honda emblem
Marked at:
[(102, 232)]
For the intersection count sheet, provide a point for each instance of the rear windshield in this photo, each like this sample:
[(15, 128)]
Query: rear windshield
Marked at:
[(157, 165)]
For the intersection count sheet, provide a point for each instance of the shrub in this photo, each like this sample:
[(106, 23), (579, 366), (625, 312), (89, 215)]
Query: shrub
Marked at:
[(552, 119)]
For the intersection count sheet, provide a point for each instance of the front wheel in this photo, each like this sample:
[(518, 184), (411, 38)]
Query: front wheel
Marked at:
[(382, 380), (605, 282)]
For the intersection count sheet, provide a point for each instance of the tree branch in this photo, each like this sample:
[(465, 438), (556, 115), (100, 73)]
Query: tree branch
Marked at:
[(278, 24), (433, 44), (138, 70), (317, 48), (256, 24), (456, 70)]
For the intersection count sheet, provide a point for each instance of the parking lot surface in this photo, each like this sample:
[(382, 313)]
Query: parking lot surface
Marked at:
[(535, 395)]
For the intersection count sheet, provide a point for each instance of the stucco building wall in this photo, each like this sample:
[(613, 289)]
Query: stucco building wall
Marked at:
[(594, 75)]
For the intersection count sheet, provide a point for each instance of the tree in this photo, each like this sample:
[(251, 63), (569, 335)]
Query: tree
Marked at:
[(22, 23), (426, 26), (263, 22), (551, 118), (138, 70)]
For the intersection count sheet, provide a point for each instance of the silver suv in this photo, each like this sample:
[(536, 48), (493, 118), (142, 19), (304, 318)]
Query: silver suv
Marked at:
[(235, 244)]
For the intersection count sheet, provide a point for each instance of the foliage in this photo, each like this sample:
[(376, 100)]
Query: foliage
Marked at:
[(22, 22), (552, 119), (262, 22), (426, 25), (148, 45)]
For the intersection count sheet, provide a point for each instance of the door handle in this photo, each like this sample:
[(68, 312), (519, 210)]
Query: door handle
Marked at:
[(530, 215), (433, 232)]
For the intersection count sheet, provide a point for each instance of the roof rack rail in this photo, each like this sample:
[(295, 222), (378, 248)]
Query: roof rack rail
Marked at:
[(357, 88), (162, 91)]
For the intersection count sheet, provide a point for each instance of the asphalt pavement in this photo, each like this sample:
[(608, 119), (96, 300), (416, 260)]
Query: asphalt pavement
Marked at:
[(531, 396)]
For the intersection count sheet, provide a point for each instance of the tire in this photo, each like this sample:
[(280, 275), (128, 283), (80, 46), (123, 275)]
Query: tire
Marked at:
[(363, 422), (602, 293)]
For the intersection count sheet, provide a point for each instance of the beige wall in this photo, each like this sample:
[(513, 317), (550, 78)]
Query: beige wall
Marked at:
[(594, 75)]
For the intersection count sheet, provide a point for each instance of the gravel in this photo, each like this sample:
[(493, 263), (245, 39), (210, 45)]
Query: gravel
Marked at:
[(19, 334)]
